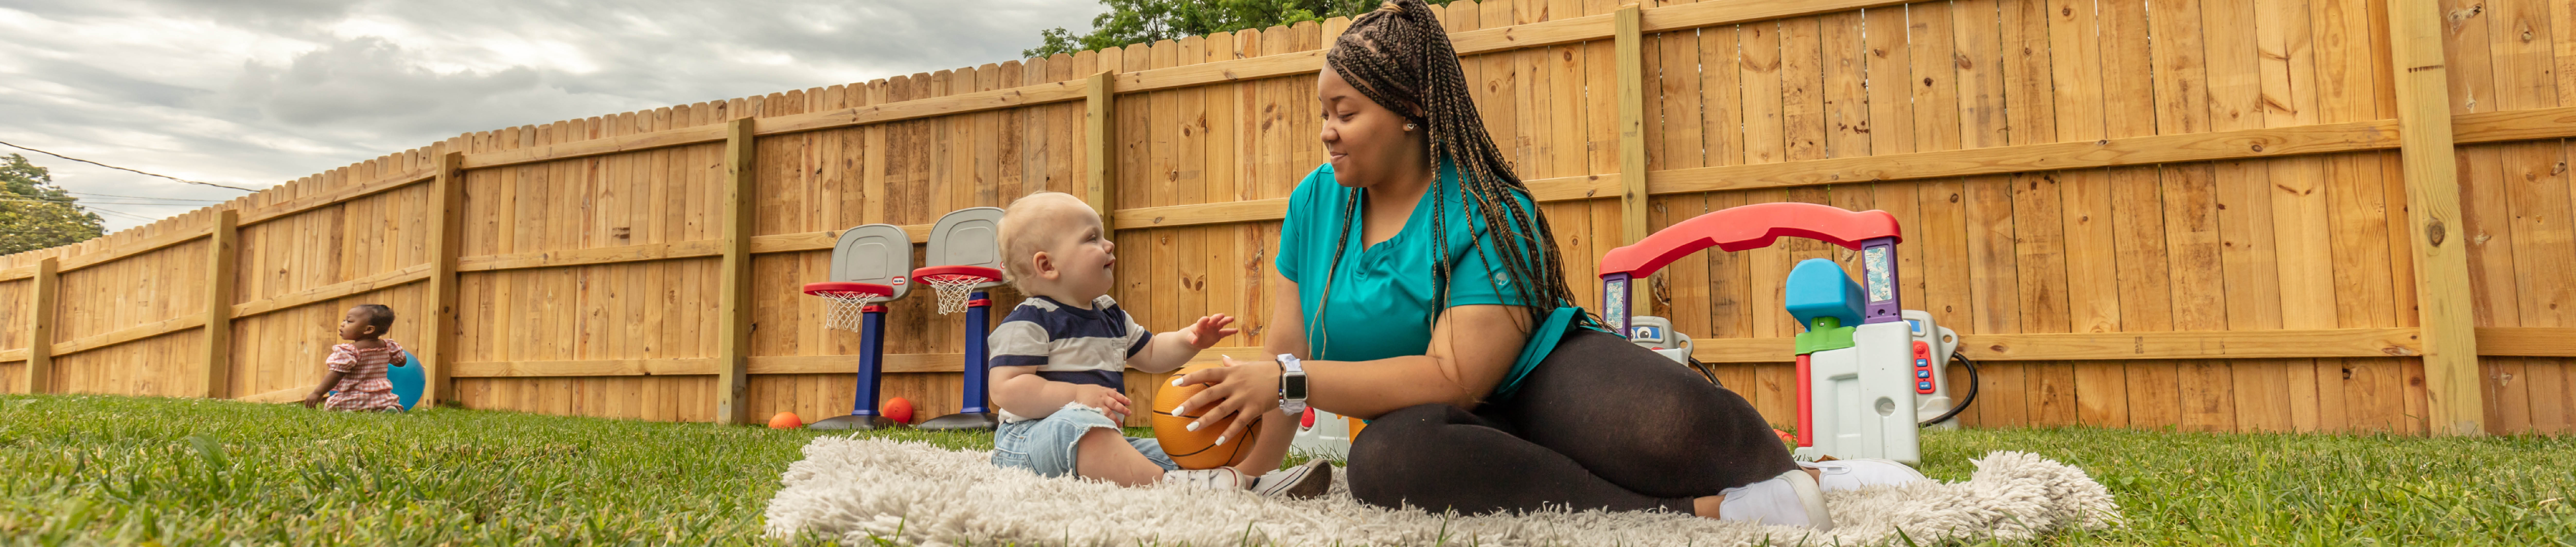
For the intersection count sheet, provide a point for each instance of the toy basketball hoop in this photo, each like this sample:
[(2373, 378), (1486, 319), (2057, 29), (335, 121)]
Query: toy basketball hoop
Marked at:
[(963, 257), (846, 303), (956, 284)]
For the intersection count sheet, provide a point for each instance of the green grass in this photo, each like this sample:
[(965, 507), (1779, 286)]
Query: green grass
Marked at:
[(120, 470)]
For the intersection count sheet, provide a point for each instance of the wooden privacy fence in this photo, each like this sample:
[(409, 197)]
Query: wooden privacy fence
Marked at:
[(2337, 215)]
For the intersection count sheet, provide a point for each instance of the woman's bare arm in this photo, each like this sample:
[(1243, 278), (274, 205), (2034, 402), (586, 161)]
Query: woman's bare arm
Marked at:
[(1471, 349), (1286, 332)]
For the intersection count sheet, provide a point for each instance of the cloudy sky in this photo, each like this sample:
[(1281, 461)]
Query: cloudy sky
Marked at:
[(255, 93)]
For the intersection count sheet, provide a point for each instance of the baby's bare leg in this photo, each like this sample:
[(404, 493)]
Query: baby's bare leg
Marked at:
[(1104, 454), (1270, 448)]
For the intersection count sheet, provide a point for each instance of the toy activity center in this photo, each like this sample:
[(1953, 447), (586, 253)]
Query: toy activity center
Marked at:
[(1970, 224)]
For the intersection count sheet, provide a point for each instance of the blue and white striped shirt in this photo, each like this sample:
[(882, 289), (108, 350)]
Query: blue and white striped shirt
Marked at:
[(1069, 344)]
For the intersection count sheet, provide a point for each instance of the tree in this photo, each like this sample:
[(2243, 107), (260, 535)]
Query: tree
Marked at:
[(35, 214), (1147, 21)]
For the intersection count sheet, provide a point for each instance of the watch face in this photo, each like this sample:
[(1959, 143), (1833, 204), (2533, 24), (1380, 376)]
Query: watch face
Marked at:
[(1293, 387)]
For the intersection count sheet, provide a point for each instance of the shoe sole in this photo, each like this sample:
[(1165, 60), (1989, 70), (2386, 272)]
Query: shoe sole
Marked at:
[(1918, 474), (1812, 497), (1313, 483)]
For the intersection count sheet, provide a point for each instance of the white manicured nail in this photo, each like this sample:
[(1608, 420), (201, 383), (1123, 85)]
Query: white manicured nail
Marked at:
[(1194, 426), (1220, 440), (1181, 410), (1176, 382)]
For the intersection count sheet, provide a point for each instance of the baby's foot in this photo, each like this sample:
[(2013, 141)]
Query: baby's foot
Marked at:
[(1840, 475), (1222, 478)]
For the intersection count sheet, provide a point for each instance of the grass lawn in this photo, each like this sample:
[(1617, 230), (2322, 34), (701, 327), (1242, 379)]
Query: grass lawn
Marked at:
[(121, 470)]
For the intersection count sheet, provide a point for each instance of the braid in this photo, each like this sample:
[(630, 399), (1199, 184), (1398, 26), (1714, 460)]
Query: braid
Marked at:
[(1400, 57)]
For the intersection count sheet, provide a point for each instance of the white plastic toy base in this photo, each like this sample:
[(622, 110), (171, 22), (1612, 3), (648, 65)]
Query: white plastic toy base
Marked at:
[(1865, 402), (1855, 392), (1329, 438)]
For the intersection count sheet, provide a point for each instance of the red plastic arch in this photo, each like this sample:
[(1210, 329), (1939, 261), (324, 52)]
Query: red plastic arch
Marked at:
[(1749, 227)]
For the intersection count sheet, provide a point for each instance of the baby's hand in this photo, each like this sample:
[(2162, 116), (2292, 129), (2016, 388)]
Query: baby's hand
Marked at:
[(312, 399), (1104, 398), (1204, 333)]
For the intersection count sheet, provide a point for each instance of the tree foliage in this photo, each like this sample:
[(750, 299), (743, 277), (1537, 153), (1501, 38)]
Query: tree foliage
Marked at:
[(35, 214), (1146, 21)]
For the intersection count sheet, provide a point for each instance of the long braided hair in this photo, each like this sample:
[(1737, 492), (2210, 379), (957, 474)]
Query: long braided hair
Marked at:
[(1400, 57)]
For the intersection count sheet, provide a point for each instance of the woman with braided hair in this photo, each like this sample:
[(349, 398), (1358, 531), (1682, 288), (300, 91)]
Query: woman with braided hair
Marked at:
[(1419, 286)]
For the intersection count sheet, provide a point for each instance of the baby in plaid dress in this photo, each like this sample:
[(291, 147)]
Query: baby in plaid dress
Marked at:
[(358, 367)]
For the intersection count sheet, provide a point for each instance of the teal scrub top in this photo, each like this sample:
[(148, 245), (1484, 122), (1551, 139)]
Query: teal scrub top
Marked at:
[(1382, 294)]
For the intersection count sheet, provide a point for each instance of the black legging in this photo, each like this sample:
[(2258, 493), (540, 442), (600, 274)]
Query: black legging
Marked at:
[(1601, 423)]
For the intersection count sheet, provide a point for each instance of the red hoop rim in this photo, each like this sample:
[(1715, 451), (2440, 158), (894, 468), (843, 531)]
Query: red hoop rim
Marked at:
[(987, 274), (818, 289)]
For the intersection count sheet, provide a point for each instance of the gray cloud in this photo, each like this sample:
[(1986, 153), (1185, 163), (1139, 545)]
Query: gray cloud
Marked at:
[(256, 93)]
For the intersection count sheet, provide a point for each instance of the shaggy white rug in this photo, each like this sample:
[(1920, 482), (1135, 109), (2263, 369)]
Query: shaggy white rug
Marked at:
[(867, 491)]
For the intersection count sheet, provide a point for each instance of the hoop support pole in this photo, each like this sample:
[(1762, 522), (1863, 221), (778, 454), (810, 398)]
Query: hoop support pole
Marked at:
[(977, 355), (871, 360)]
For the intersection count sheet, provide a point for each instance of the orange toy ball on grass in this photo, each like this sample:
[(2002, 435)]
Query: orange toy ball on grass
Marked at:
[(785, 420), (1196, 449), (897, 409)]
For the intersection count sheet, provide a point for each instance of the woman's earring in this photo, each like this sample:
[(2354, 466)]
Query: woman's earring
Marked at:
[(1408, 127)]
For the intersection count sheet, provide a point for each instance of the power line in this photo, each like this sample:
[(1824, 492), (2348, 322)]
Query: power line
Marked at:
[(4, 143), (107, 202), (109, 211), (143, 197), (123, 214), (49, 233)]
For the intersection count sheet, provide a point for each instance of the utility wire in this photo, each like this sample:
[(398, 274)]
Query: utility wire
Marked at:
[(78, 204), (4, 143), (142, 197), (123, 214), (107, 202)]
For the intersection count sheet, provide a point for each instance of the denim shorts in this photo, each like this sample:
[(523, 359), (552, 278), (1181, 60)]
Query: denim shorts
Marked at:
[(1045, 445)]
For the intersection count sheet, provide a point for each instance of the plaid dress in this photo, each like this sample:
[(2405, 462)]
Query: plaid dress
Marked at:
[(362, 383)]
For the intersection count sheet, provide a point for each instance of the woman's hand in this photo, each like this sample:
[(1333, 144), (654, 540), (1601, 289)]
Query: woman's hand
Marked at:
[(1238, 388)]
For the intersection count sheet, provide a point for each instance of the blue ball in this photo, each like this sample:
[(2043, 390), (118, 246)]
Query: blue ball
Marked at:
[(407, 380)]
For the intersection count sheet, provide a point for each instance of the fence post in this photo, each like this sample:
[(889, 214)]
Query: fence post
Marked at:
[(1098, 187), (447, 200), (223, 242), (39, 376), (733, 344), (1629, 48), (2433, 207), (1632, 126)]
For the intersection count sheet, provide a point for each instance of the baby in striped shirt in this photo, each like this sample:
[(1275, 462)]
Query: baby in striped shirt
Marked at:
[(1059, 358), (357, 377)]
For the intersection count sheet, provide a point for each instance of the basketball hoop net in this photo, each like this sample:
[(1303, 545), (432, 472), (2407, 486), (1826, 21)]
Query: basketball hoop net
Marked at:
[(956, 284), (846, 304)]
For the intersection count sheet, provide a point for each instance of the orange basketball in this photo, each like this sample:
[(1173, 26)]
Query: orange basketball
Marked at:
[(1196, 449)]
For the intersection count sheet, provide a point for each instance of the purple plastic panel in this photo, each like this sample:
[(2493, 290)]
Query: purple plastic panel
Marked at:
[(1614, 302), (1878, 281)]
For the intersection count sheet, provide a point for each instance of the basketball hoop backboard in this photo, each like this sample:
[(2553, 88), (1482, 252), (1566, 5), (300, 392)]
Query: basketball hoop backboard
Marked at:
[(967, 237), (875, 253)]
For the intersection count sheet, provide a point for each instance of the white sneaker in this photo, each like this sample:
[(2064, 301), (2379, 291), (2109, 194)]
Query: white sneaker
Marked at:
[(1222, 478), (1840, 475), (1300, 482), (1790, 499)]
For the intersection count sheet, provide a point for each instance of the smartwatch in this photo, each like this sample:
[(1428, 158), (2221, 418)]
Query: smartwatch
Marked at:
[(1292, 385)]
